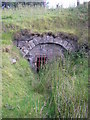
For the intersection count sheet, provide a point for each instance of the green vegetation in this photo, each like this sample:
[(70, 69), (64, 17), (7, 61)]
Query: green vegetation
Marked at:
[(71, 20), (19, 99), (60, 91), (67, 87)]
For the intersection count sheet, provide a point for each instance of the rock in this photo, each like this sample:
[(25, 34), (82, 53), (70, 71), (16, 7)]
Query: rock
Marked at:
[(24, 51), (36, 40), (31, 44), (6, 49), (13, 61), (50, 39), (45, 44), (21, 44)]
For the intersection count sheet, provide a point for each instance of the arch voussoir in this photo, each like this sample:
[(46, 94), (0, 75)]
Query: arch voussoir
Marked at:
[(44, 44)]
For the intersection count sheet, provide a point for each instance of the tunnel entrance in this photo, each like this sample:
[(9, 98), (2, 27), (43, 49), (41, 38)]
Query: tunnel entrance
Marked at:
[(40, 62), (39, 48)]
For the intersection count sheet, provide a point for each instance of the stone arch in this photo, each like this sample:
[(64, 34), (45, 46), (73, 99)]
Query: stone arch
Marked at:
[(31, 44)]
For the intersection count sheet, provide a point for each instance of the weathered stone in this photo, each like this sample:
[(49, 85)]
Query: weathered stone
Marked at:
[(21, 44), (69, 47), (58, 41), (13, 61), (48, 45), (65, 44), (49, 39), (43, 40), (31, 44), (36, 40), (29, 47)]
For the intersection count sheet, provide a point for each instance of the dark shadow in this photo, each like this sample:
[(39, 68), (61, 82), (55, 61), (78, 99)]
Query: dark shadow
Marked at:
[(41, 62)]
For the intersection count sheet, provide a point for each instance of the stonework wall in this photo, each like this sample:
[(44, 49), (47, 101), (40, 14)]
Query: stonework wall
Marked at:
[(48, 44)]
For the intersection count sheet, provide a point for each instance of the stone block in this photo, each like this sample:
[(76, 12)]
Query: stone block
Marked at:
[(65, 44), (50, 39), (43, 39), (31, 43), (69, 47), (29, 47), (21, 44), (36, 40)]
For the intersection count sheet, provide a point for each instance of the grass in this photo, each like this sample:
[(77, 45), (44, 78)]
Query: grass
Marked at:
[(71, 20), (67, 87), (60, 91), (18, 99)]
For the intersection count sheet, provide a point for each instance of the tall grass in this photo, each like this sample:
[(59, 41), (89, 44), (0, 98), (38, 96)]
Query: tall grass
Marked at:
[(66, 86), (60, 89)]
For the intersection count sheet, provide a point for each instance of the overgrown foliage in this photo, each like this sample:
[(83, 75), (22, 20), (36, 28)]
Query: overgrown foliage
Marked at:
[(60, 89), (66, 84)]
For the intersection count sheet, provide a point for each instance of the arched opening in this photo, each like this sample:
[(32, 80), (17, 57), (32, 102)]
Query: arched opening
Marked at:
[(40, 62)]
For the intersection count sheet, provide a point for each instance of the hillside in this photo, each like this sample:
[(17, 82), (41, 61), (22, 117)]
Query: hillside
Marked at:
[(71, 20), (28, 95)]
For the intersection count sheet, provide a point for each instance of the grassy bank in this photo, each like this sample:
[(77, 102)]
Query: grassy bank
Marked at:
[(60, 90), (67, 87), (19, 99), (71, 20)]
